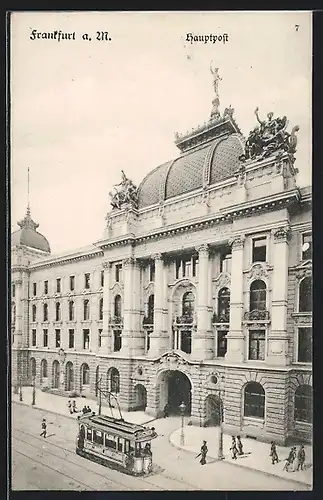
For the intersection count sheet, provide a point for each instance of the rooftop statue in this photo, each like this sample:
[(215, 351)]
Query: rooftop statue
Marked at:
[(125, 192), (270, 137), (216, 79)]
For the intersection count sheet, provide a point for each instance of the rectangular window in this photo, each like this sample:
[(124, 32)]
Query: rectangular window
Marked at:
[(178, 268), (118, 272), (259, 247), (87, 280), (33, 338), (152, 272), (97, 437), (58, 338), (306, 246), (148, 333), (225, 262), (222, 343), (13, 290), (45, 338), (102, 279), (186, 267), (195, 266), (89, 434), (45, 287), (100, 337), (58, 285), (116, 340), (257, 340), (34, 289), (72, 283), (71, 338), (86, 339), (304, 345)]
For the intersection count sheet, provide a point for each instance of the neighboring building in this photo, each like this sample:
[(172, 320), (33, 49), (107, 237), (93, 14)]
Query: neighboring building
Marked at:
[(199, 289)]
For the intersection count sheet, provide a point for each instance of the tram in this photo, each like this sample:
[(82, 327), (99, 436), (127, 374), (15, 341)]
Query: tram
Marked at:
[(115, 443)]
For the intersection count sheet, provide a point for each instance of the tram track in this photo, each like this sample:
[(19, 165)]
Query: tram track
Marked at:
[(89, 464)]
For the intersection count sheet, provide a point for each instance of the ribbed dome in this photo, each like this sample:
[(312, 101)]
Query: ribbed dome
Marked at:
[(206, 164), (28, 236)]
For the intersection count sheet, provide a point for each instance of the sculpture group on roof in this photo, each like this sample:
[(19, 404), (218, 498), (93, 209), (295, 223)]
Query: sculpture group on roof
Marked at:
[(270, 137), (125, 192)]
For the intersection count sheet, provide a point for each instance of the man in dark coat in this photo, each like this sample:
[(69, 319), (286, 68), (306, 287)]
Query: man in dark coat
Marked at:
[(44, 428), (234, 448), (239, 444), (290, 459), (273, 453), (204, 451), (166, 410), (301, 457)]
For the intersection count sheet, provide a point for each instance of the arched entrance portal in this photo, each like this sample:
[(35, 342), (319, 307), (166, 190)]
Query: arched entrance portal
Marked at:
[(141, 397), (175, 388), (212, 410), (69, 376)]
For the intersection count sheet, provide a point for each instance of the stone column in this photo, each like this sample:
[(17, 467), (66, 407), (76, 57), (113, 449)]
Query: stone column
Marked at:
[(106, 333), (235, 337), (18, 321), (277, 345), (137, 333), (157, 336), (201, 341), (126, 347)]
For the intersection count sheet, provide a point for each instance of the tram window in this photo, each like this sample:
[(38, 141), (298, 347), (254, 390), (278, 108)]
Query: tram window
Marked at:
[(120, 444), (126, 446), (138, 449), (97, 437), (89, 434), (110, 442)]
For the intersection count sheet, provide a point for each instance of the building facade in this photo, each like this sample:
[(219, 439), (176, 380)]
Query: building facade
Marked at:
[(199, 290)]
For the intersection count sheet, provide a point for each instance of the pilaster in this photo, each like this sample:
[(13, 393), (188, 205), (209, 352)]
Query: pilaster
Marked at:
[(106, 334), (157, 337), (128, 277), (235, 337), (277, 352)]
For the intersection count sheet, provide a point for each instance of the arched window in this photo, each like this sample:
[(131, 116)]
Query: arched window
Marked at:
[(33, 367), (58, 311), (188, 304), (258, 296), (85, 374), (71, 310), (114, 379), (86, 309), (254, 400), (44, 368), (101, 309), (305, 295), (303, 404), (224, 303), (117, 306), (45, 312), (151, 305), (34, 312)]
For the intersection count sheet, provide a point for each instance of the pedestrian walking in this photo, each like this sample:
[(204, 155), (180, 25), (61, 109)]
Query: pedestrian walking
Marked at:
[(88, 409), (239, 444), (301, 457), (234, 448), (74, 409), (84, 410), (166, 410), (204, 450), (69, 404), (273, 453), (44, 428), (290, 459)]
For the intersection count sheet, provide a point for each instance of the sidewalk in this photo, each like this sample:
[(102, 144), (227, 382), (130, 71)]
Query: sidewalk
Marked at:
[(256, 454), (58, 404)]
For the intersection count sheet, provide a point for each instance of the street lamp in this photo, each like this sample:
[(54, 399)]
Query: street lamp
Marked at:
[(34, 391), (182, 408), (20, 389), (221, 414), (100, 395)]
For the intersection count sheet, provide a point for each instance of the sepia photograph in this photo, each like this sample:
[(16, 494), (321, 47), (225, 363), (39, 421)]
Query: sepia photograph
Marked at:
[(160, 290)]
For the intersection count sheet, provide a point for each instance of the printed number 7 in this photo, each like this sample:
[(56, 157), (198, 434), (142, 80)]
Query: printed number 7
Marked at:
[(297, 27)]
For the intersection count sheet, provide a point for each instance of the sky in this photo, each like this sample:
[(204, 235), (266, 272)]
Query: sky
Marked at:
[(83, 110)]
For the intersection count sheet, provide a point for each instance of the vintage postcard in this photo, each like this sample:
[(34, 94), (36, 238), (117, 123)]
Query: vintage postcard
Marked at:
[(161, 251)]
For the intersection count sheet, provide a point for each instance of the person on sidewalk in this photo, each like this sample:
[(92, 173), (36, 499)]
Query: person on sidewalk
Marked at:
[(88, 409), (301, 458), (84, 410), (234, 448), (44, 428), (69, 404), (239, 444), (290, 459), (273, 453), (166, 410), (74, 409), (204, 450)]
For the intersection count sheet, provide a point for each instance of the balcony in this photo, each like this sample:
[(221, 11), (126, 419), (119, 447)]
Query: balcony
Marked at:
[(223, 317), (256, 315), (148, 321), (116, 321), (185, 322)]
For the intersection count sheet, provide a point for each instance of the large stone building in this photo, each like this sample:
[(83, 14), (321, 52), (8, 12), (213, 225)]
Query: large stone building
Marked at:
[(199, 290)]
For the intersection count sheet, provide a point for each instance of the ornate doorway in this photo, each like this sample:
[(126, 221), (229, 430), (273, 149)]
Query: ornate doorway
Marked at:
[(141, 397), (212, 410), (174, 388)]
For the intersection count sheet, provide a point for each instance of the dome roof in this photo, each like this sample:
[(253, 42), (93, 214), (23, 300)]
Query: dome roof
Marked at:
[(28, 236), (210, 156)]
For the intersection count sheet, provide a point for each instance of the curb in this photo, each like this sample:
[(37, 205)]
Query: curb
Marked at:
[(239, 465)]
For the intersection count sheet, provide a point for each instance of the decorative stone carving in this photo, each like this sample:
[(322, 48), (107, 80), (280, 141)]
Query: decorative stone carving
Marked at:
[(270, 137), (257, 271), (303, 319), (237, 242), (281, 234), (203, 249), (126, 194), (172, 361), (129, 261), (157, 256), (223, 280), (241, 176), (256, 315), (106, 264)]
